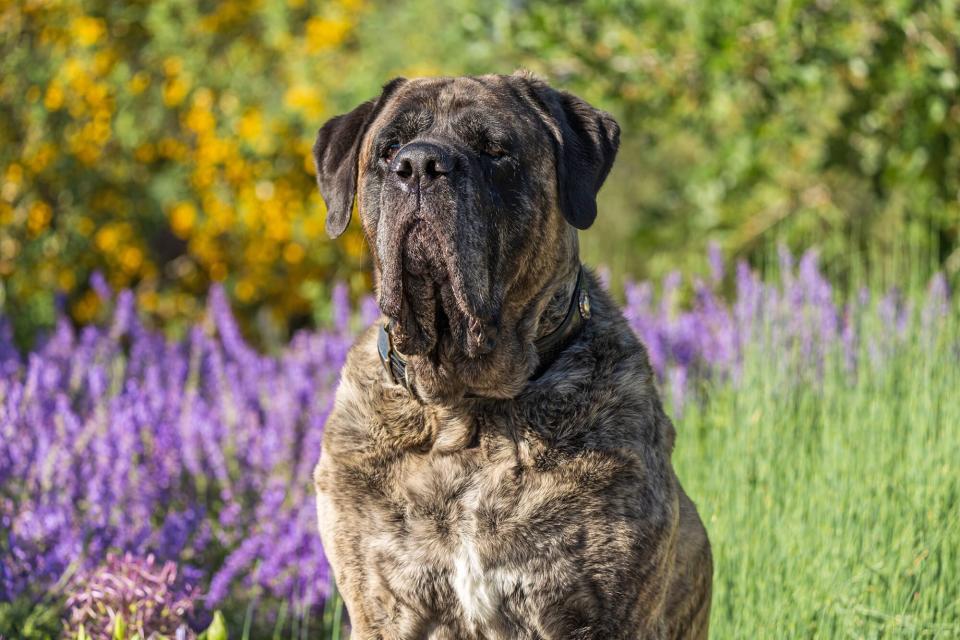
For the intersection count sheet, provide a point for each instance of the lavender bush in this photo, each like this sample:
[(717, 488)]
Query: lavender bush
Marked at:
[(799, 318), (115, 439)]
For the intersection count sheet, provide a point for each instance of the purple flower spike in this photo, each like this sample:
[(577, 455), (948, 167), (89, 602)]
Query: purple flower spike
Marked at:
[(715, 258), (99, 285)]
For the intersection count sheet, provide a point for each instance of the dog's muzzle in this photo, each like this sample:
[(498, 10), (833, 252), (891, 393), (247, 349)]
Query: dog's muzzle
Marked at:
[(549, 347)]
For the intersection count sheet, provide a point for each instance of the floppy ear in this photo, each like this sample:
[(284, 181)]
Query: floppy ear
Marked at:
[(586, 140), (336, 155)]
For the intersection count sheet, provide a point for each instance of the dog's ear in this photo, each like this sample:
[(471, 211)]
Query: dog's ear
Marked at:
[(336, 156), (586, 140)]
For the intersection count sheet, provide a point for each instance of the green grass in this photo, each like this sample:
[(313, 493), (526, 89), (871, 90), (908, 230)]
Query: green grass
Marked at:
[(833, 506)]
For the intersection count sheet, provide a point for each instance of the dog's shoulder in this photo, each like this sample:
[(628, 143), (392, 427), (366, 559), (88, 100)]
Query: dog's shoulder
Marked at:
[(602, 393)]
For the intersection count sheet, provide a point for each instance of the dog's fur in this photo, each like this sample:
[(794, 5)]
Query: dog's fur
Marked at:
[(485, 504)]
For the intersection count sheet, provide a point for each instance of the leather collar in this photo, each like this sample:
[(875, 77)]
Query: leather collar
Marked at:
[(549, 347)]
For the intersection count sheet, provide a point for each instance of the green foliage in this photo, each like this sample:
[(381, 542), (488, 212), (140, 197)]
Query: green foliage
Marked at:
[(30, 620), (119, 628), (217, 629), (827, 123)]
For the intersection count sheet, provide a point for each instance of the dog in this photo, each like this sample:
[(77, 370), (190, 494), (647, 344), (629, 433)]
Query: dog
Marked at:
[(497, 460)]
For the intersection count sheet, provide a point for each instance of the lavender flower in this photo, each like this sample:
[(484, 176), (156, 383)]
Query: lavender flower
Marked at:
[(116, 439), (100, 286), (799, 318)]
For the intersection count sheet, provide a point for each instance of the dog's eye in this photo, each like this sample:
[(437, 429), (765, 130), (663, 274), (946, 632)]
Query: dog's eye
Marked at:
[(496, 152), (389, 151)]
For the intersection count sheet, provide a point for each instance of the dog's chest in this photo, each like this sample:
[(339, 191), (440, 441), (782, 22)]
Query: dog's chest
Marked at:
[(479, 583), (488, 530)]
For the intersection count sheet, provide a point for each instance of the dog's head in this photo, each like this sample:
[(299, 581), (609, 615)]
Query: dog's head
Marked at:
[(470, 191)]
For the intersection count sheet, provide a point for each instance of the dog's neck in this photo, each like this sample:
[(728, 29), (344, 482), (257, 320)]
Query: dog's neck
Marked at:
[(558, 302)]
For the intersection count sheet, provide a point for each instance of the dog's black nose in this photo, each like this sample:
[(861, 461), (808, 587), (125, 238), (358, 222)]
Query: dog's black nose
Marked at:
[(421, 163)]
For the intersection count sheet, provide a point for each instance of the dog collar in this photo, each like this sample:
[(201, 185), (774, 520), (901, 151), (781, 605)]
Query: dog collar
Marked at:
[(549, 347)]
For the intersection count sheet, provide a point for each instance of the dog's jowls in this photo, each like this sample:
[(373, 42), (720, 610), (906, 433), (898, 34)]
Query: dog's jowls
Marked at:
[(486, 502)]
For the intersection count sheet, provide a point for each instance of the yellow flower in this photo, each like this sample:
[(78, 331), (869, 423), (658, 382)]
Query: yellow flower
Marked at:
[(174, 91), (251, 125), (130, 259), (148, 300), (355, 244), (325, 33), (85, 226), (139, 82), (87, 30), (202, 177), (182, 218), (75, 74), (218, 271), (53, 99), (85, 309), (199, 119), (172, 65), (11, 182), (38, 218), (107, 238), (41, 158), (9, 248), (172, 148), (66, 280), (309, 163), (145, 153), (103, 61), (245, 290), (304, 98), (14, 174), (293, 253)]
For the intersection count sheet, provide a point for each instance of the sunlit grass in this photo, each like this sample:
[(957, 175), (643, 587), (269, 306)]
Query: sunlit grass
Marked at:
[(832, 502)]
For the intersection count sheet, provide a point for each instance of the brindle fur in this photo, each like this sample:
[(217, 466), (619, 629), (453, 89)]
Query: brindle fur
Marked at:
[(488, 505)]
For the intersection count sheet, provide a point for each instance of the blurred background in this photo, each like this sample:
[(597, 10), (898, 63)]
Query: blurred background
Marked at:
[(166, 144)]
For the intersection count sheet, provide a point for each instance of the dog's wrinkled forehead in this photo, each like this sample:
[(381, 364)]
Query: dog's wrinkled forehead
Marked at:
[(517, 116), (483, 113)]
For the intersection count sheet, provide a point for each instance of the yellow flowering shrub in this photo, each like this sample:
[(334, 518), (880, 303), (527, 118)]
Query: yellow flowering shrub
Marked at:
[(167, 144)]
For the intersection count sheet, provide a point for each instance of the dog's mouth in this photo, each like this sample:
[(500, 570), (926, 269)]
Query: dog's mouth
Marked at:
[(422, 292)]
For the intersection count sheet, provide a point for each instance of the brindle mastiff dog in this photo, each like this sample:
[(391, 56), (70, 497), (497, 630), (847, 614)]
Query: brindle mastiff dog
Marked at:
[(497, 463)]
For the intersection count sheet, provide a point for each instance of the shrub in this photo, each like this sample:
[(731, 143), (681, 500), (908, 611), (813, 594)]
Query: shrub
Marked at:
[(166, 144)]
